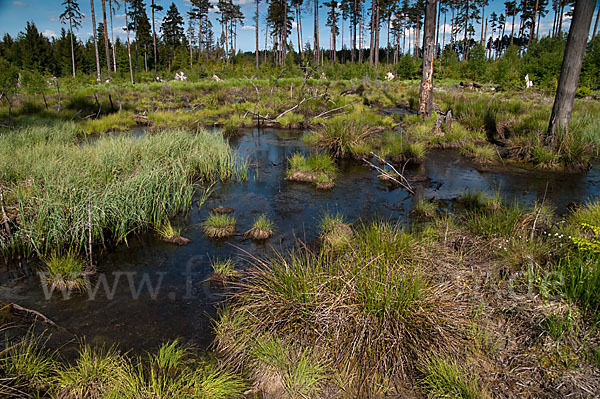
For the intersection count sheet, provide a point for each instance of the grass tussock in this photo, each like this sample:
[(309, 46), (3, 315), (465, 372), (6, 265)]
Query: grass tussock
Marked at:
[(262, 228), (335, 233), (317, 168), (65, 271), (371, 297), (224, 270), (219, 226)]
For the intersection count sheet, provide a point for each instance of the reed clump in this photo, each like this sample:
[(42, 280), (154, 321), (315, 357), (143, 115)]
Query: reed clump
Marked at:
[(62, 191)]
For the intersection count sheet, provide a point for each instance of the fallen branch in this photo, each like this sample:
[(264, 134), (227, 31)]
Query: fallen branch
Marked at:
[(264, 118), (33, 313), (333, 110), (299, 104), (398, 178)]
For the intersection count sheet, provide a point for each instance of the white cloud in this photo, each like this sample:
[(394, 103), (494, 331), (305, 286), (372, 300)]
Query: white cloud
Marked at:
[(242, 2), (248, 27), (49, 33), (19, 4)]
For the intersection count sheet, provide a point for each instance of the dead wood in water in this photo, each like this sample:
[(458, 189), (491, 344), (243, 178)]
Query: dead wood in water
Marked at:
[(397, 178)]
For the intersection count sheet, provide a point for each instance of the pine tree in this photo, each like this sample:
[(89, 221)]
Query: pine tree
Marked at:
[(172, 29), (155, 7), (332, 22), (73, 16), (140, 24)]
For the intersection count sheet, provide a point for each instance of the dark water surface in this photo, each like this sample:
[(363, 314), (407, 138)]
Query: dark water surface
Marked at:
[(184, 303)]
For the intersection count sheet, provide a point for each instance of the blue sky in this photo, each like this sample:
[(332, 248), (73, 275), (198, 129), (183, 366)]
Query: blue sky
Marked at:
[(15, 13)]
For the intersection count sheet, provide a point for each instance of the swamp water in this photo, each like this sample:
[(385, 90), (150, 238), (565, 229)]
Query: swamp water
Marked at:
[(180, 303)]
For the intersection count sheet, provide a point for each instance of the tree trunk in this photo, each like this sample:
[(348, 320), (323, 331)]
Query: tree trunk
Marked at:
[(444, 34), (256, 34), (377, 36), (317, 48), (112, 35), (425, 94), (95, 41), (72, 48), (532, 30), (298, 31), (333, 39), (353, 51), (372, 42), (452, 26), (596, 24), (106, 43), (154, 42), (482, 20), (555, 21), (512, 28), (387, 49), (570, 69), (560, 18), (128, 45)]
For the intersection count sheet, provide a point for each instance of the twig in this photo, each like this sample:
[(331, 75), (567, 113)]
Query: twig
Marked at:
[(257, 99), (402, 181), (278, 76), (306, 76), (333, 110), (90, 231)]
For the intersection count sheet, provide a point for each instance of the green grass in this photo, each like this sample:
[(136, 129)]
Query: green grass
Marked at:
[(167, 231), (281, 366), (320, 163), (580, 273), (316, 168), (480, 153), (96, 373), (446, 379), (65, 271), (56, 184), (219, 226), (335, 232), (224, 269), (425, 208), (349, 135), (173, 371), (26, 365)]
